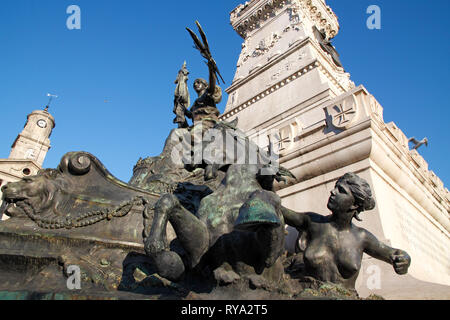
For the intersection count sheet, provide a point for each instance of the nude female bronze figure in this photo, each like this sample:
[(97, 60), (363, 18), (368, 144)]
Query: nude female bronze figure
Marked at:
[(333, 245)]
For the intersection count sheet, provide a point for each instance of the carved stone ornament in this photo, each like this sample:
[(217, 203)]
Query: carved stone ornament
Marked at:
[(343, 113), (253, 15)]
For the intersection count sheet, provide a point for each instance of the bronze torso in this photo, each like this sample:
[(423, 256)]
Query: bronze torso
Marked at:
[(204, 108), (334, 258)]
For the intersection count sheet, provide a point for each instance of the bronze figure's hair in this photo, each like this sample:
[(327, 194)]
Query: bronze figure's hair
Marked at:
[(202, 81), (217, 97), (361, 191)]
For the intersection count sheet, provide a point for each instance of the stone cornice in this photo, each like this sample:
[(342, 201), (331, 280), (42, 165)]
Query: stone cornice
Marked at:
[(397, 142), (310, 65), (248, 17), (325, 141), (411, 159), (365, 145), (427, 187), (322, 16), (341, 80)]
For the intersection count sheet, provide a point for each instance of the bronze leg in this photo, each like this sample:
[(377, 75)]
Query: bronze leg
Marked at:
[(191, 233)]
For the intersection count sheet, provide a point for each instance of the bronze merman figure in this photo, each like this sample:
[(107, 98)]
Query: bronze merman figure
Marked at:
[(239, 224)]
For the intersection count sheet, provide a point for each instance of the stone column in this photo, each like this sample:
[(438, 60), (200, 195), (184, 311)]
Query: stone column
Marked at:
[(289, 86)]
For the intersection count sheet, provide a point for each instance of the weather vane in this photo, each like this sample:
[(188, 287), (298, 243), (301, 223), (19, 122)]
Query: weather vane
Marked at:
[(51, 96)]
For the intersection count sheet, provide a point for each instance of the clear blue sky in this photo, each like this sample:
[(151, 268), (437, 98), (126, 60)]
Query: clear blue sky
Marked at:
[(128, 54)]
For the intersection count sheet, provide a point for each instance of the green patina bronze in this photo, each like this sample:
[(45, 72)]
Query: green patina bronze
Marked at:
[(257, 212)]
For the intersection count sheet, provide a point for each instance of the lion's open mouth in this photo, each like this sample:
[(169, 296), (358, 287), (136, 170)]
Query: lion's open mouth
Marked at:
[(12, 209)]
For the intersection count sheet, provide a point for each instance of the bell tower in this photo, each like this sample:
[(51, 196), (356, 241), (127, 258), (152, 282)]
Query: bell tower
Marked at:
[(29, 149), (33, 142)]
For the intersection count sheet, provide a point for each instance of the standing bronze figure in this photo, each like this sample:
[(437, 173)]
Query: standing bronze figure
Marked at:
[(182, 99), (204, 109)]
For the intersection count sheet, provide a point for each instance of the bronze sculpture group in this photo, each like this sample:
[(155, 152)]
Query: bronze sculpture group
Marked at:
[(226, 218)]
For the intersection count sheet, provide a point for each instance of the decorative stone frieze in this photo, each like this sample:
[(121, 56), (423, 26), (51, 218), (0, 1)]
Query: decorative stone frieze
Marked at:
[(254, 14), (321, 15), (295, 56)]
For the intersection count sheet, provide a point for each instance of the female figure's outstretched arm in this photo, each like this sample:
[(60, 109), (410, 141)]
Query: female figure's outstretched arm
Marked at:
[(399, 259), (298, 220)]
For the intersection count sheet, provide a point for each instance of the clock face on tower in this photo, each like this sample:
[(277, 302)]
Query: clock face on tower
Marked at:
[(42, 123)]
